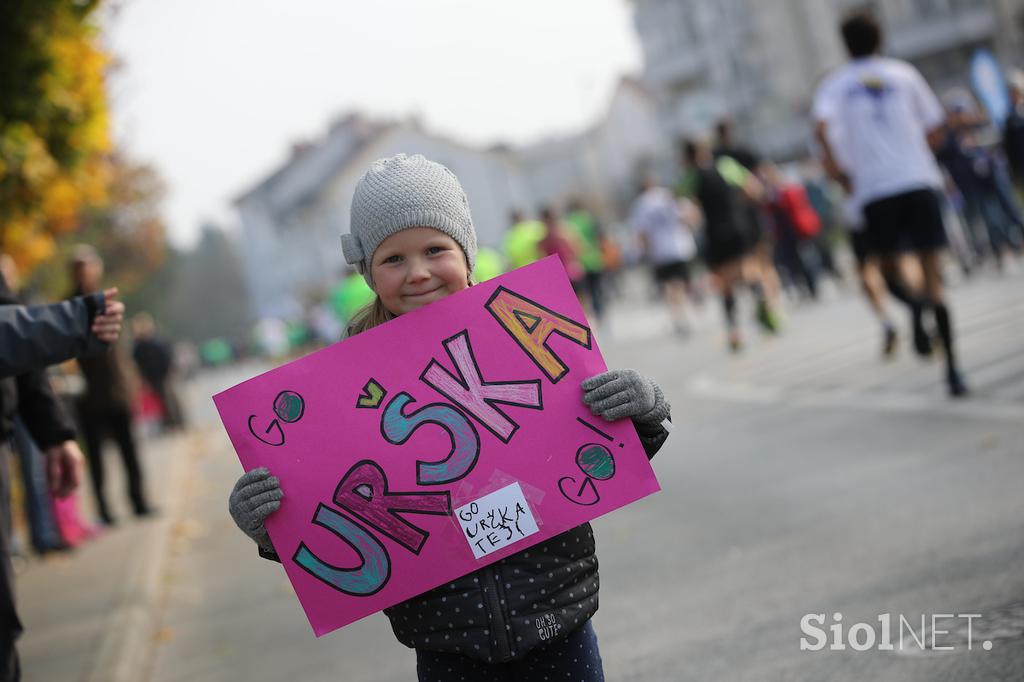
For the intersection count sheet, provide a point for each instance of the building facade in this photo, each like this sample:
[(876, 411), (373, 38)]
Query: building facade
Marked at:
[(758, 61), (291, 221)]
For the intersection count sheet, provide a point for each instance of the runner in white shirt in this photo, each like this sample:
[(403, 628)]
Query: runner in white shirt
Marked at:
[(882, 110), (875, 282), (668, 246), (877, 121)]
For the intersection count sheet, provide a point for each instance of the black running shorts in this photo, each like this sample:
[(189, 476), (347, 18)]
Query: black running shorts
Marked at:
[(911, 221), (859, 245), (676, 271)]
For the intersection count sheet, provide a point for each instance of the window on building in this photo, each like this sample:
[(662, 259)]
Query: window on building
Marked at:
[(927, 9), (962, 5)]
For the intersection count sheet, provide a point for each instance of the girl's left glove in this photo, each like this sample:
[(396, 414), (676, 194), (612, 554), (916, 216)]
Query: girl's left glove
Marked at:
[(622, 393)]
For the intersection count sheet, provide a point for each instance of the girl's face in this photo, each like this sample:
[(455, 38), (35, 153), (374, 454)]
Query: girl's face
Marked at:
[(417, 266)]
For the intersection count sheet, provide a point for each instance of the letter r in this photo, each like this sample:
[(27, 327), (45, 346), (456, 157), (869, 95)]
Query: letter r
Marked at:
[(363, 492)]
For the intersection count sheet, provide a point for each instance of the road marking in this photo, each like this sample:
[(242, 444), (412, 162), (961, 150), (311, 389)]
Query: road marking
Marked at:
[(973, 408)]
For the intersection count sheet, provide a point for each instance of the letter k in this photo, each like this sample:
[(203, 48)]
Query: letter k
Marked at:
[(478, 397)]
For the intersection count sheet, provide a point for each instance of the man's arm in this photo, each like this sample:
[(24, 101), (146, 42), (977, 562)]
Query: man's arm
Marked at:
[(737, 175), (928, 109), (52, 430), (936, 136), (828, 159), (36, 336), (824, 110), (643, 243), (690, 214)]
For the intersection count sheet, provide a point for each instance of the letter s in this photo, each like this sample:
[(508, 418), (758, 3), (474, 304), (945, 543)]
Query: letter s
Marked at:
[(810, 630), (397, 428)]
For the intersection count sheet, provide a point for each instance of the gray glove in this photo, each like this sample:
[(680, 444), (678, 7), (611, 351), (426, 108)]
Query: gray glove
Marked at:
[(255, 496), (622, 393)]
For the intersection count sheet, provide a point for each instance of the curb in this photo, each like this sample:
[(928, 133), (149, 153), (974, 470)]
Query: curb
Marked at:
[(126, 651)]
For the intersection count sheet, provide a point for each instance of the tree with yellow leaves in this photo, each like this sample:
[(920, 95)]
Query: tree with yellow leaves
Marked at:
[(54, 127)]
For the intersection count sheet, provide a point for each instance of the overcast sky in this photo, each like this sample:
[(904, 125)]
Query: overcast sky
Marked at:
[(214, 92)]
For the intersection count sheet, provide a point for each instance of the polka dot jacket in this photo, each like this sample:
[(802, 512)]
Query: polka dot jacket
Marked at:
[(503, 611)]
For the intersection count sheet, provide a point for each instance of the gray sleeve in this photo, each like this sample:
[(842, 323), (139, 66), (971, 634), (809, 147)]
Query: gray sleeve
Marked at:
[(36, 336)]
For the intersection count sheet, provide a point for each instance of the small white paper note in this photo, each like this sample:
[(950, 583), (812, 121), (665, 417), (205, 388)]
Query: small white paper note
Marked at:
[(496, 520)]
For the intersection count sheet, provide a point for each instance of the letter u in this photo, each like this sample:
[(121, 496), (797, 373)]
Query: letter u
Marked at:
[(374, 569)]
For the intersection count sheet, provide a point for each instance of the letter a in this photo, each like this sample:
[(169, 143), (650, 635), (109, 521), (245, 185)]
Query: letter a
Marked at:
[(478, 397), (531, 324)]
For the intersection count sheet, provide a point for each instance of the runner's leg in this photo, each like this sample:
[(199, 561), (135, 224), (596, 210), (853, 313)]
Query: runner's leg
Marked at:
[(931, 263)]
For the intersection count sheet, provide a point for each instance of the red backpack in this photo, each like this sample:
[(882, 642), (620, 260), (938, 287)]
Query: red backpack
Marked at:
[(805, 220)]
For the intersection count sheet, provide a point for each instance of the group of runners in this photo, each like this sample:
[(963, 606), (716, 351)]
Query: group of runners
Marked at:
[(887, 141)]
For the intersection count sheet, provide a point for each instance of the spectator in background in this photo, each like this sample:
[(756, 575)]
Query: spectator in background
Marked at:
[(324, 326), (976, 172), (44, 534), (584, 226), (522, 241), (154, 358), (489, 264), (1013, 130), (54, 333), (612, 255), (560, 241), (662, 228), (105, 408), (816, 185), (795, 226), (350, 296)]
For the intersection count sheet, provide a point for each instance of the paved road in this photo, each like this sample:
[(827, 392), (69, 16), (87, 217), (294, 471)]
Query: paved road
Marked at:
[(809, 477), (804, 476)]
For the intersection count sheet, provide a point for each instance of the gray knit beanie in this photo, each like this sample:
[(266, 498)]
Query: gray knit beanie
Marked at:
[(400, 192)]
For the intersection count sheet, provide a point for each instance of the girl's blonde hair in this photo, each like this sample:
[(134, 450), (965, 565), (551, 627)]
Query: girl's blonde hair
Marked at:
[(373, 314), (368, 317)]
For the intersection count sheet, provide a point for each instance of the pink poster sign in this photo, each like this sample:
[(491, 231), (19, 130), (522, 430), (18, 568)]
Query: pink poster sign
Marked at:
[(440, 442)]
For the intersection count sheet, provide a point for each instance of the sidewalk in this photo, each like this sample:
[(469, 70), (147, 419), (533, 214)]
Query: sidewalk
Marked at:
[(90, 615)]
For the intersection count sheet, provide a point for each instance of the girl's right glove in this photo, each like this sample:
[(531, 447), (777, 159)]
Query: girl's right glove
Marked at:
[(620, 393), (255, 496)]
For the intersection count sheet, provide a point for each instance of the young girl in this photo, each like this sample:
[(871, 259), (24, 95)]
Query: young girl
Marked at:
[(414, 242)]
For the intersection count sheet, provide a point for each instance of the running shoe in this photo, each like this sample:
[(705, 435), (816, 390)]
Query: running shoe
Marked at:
[(890, 342), (735, 342), (957, 387), (767, 318), (922, 340)]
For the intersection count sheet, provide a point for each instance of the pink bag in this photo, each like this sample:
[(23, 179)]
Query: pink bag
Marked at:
[(73, 528)]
